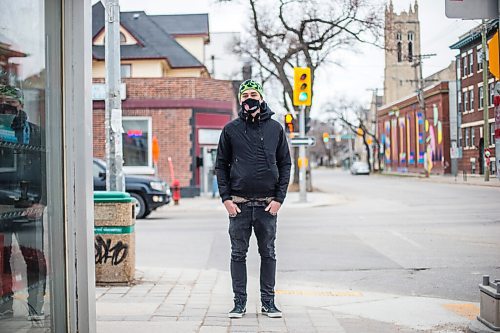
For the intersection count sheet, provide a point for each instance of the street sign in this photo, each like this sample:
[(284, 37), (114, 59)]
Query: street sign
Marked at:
[(306, 141), (456, 152), (471, 9)]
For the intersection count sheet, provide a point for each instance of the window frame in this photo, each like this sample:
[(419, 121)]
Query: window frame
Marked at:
[(471, 63), (466, 101), (480, 94), (467, 137), (129, 66), (471, 99), (472, 137), (479, 50), (492, 134), (465, 66), (149, 169)]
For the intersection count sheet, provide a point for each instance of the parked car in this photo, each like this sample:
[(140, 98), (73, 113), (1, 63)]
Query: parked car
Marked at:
[(360, 168), (148, 192)]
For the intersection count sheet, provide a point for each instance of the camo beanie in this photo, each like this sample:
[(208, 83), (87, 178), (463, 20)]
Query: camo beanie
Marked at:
[(250, 85), (12, 92)]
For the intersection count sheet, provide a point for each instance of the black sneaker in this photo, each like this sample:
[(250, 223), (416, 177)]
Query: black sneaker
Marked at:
[(270, 310), (239, 309)]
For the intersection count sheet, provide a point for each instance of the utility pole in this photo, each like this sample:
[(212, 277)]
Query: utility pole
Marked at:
[(486, 113), (115, 180), (420, 82)]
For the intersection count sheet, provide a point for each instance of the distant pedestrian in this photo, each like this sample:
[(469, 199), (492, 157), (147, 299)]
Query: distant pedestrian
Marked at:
[(253, 170)]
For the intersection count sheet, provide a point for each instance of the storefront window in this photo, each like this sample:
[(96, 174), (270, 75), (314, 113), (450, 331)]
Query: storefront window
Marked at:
[(137, 143), (25, 218)]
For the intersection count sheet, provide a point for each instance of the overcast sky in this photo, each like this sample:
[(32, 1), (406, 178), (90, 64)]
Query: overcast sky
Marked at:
[(360, 71)]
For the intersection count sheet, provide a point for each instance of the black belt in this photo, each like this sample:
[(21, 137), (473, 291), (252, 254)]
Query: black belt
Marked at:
[(254, 203)]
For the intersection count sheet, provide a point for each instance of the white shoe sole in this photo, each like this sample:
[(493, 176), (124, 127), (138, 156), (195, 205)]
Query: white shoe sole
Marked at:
[(273, 315), (235, 315)]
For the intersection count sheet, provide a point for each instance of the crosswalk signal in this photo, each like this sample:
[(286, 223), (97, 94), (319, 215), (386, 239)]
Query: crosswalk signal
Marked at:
[(326, 137), (302, 93), (289, 125)]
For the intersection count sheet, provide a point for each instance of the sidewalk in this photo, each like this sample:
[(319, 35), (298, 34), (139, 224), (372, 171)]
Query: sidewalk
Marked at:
[(188, 300), (477, 180)]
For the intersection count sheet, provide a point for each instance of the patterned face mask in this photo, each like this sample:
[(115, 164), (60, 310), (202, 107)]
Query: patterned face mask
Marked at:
[(250, 105)]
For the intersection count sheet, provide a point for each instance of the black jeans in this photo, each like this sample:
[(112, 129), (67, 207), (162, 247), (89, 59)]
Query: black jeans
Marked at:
[(240, 229)]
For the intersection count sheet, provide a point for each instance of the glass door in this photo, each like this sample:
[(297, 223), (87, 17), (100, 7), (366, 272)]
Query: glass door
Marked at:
[(31, 221)]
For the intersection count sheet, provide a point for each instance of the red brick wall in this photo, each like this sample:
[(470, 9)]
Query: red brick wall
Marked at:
[(172, 126), (475, 115), (179, 88)]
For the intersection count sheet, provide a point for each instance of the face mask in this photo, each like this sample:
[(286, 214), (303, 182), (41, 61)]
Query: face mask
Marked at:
[(7, 109), (250, 105)]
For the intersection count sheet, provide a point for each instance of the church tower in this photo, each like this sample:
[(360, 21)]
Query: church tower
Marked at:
[(402, 43)]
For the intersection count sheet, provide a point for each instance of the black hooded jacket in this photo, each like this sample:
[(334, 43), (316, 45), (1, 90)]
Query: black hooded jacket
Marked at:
[(253, 159)]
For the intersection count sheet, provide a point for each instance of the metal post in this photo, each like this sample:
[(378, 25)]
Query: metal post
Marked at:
[(115, 181), (351, 139), (302, 156), (486, 127), (422, 108), (497, 117)]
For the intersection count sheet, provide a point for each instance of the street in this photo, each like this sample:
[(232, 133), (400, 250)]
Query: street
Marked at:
[(381, 234), (409, 244)]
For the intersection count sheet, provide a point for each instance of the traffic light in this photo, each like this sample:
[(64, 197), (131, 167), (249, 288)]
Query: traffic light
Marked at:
[(494, 63), (289, 124), (326, 137), (302, 93)]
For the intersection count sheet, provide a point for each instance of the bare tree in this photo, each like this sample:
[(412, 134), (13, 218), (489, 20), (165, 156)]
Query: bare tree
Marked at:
[(355, 118), (289, 33)]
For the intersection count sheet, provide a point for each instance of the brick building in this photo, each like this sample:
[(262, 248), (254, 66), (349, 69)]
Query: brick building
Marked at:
[(403, 131), (168, 96), (470, 103)]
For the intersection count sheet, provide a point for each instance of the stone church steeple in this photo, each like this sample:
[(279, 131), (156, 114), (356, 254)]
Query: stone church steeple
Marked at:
[(402, 42)]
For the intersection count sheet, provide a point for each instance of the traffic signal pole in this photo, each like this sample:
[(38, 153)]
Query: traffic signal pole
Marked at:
[(302, 156), (486, 113)]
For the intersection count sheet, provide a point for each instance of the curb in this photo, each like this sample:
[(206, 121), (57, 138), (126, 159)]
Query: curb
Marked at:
[(476, 326)]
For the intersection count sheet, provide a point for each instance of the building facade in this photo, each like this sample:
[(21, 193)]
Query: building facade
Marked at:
[(168, 97), (402, 43), (412, 139), (471, 104), (46, 209)]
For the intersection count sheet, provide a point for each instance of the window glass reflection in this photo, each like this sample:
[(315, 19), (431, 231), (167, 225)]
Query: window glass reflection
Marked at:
[(24, 300)]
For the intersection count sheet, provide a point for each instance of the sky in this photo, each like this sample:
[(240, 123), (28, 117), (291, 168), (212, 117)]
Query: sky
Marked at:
[(360, 71)]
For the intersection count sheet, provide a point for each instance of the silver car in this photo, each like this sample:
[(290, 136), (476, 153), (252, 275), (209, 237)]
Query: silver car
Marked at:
[(360, 168)]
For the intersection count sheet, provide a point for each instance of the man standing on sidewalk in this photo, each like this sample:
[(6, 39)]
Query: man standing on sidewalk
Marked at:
[(253, 171)]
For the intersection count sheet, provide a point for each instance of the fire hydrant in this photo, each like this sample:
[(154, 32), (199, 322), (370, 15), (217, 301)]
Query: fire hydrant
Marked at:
[(176, 185)]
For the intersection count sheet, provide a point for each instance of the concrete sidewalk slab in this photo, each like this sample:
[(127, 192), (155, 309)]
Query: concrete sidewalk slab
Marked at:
[(190, 300)]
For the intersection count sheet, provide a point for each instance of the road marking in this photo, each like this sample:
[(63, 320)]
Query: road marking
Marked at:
[(467, 310), (320, 293), (412, 242)]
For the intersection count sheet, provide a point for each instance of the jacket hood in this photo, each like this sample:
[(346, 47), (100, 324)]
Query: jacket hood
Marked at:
[(265, 112)]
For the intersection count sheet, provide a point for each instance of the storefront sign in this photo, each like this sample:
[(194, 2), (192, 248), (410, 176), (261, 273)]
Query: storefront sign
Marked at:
[(208, 136), (99, 91)]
